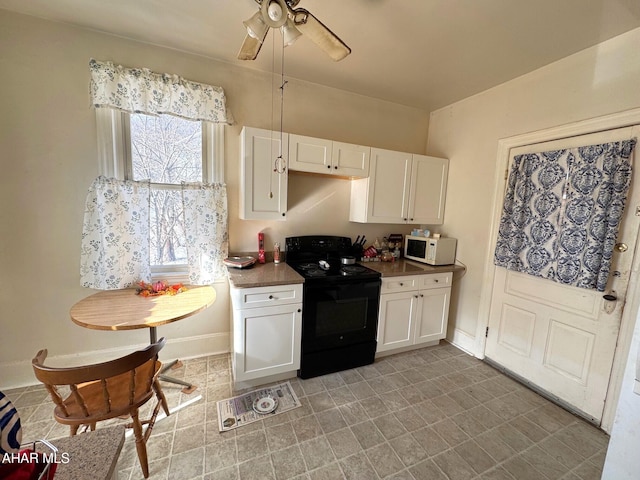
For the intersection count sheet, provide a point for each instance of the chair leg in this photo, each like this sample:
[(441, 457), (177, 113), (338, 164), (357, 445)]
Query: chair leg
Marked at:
[(141, 447), (160, 396), (73, 429)]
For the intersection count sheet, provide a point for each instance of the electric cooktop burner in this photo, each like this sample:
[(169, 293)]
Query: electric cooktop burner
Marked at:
[(353, 270)]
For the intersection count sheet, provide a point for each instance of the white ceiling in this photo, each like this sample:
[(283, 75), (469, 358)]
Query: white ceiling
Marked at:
[(421, 53)]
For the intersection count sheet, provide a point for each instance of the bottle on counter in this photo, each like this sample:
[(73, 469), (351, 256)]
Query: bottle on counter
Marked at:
[(276, 252), (261, 258)]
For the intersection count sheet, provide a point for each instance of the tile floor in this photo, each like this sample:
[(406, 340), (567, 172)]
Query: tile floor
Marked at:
[(434, 413)]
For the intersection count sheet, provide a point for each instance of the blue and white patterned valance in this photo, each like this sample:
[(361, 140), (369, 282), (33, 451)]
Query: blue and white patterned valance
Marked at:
[(139, 90), (562, 211)]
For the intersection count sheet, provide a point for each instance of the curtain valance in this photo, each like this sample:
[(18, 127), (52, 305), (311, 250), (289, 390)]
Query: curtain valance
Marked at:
[(139, 90)]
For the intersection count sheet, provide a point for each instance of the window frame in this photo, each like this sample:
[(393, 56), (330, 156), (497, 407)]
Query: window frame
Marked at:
[(114, 161)]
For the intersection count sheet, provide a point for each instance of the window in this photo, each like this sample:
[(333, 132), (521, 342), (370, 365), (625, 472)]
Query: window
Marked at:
[(166, 150)]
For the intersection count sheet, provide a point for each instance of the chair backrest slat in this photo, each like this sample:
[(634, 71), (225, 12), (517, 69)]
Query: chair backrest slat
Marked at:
[(105, 394), (80, 400), (57, 399), (132, 386)]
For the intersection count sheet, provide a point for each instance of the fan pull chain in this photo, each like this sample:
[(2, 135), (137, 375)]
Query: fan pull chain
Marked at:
[(280, 166)]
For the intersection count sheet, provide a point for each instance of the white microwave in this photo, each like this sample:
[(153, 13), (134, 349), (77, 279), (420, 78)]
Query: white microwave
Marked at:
[(434, 251)]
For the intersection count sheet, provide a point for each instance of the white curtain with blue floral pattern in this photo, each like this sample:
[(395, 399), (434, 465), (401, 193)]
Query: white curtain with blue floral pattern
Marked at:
[(115, 235), (562, 211), (205, 220), (139, 90)]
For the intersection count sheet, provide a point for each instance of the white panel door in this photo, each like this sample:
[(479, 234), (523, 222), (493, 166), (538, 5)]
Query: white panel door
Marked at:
[(563, 338)]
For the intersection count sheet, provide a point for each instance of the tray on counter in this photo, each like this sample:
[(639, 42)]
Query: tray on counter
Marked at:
[(239, 262)]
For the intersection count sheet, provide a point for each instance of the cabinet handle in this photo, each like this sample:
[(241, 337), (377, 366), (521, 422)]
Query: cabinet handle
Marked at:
[(336, 167), (328, 166), (422, 294), (299, 310), (270, 297), (283, 214), (405, 219), (411, 219), (401, 284), (436, 280), (415, 296)]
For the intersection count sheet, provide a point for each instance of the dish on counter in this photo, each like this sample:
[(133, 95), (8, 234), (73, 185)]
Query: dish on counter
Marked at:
[(239, 262)]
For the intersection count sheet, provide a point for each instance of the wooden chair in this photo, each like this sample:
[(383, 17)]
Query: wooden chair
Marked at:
[(107, 390)]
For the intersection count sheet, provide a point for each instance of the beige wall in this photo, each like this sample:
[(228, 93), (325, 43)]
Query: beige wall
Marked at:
[(48, 158), (601, 80)]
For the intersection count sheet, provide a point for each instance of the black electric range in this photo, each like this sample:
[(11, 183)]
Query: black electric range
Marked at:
[(339, 305)]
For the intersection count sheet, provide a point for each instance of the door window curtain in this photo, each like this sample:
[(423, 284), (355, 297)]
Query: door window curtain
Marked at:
[(139, 90), (562, 212)]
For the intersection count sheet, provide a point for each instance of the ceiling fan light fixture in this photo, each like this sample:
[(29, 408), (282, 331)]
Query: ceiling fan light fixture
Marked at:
[(290, 33), (274, 12), (256, 28)]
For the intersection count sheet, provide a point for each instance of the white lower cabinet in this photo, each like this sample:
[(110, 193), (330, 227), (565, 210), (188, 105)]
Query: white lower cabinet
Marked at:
[(414, 310), (267, 332)]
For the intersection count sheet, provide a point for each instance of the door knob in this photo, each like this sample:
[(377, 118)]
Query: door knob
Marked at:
[(621, 247)]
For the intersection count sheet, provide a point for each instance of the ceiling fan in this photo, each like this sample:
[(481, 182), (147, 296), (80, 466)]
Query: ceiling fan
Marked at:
[(293, 22)]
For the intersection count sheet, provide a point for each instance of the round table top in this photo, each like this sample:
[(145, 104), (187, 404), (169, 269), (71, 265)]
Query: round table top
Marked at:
[(124, 310)]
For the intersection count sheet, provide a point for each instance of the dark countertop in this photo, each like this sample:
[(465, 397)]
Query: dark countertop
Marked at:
[(268, 274)]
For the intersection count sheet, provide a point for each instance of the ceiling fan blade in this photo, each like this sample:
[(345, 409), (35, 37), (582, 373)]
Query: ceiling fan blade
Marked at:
[(250, 47), (320, 34)]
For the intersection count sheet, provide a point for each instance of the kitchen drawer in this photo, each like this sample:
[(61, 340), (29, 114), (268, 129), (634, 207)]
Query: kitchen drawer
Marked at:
[(436, 280), (266, 296), (400, 284)]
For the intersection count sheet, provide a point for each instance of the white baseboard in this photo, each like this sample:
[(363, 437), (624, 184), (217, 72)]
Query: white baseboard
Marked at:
[(464, 342), (20, 374)]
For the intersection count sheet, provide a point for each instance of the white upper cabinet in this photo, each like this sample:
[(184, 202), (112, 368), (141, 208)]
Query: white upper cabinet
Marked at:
[(401, 188), (428, 190), (316, 155), (263, 191)]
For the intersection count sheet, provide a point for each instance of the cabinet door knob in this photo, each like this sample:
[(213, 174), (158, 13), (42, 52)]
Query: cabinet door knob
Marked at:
[(422, 295), (415, 296), (401, 284), (436, 280), (328, 166), (299, 310), (270, 297), (336, 167), (283, 214)]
